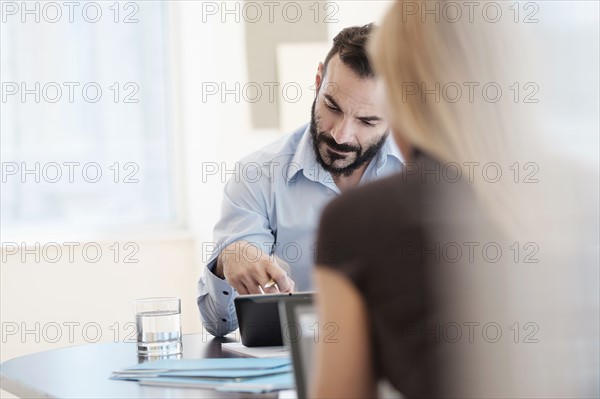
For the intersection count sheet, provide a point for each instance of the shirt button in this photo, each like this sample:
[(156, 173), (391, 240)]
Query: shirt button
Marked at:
[(224, 320), (225, 292)]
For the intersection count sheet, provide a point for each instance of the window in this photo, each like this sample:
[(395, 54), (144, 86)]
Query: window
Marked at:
[(85, 115)]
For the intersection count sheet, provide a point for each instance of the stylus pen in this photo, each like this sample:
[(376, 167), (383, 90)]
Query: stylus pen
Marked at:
[(270, 283), (283, 265)]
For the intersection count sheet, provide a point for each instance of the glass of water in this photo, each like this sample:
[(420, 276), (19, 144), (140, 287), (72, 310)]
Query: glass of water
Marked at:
[(158, 322)]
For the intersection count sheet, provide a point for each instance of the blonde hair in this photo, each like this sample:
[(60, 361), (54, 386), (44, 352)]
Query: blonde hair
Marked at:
[(437, 59)]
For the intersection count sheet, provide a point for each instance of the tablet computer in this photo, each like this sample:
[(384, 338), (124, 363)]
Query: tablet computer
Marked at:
[(258, 317)]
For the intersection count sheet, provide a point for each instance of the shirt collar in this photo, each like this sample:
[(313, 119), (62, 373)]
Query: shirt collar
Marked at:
[(305, 160), (388, 150)]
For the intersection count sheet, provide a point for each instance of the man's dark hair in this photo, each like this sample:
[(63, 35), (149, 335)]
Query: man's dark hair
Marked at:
[(350, 44)]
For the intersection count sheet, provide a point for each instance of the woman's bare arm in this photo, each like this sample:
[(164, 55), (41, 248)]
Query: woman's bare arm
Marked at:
[(344, 366)]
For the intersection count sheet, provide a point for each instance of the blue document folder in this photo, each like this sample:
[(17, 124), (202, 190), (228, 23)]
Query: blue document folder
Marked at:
[(228, 374), (207, 364), (252, 385)]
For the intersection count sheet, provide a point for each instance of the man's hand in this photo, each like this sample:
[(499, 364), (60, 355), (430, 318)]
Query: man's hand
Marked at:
[(246, 268)]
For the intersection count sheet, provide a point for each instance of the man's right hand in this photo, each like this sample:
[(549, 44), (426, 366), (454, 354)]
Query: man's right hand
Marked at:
[(246, 268)]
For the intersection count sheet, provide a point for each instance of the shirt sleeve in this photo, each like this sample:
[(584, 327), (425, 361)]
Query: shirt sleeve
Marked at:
[(244, 217)]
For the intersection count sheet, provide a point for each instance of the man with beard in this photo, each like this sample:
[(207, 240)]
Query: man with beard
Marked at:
[(271, 211)]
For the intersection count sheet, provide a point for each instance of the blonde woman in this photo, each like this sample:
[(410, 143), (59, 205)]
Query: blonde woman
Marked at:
[(419, 275)]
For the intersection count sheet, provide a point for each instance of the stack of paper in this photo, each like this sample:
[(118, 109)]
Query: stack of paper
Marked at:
[(229, 374)]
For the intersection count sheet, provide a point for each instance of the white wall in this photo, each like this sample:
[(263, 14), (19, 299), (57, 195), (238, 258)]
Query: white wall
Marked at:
[(89, 298), (350, 13)]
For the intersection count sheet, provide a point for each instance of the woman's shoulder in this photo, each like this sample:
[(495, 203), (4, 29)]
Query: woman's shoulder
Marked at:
[(416, 192), (399, 191), (358, 212)]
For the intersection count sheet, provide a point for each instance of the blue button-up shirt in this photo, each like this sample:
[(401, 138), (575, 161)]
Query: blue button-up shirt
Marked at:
[(274, 201)]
